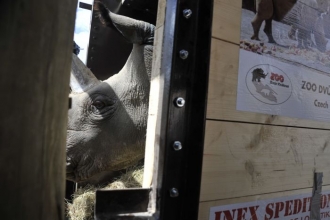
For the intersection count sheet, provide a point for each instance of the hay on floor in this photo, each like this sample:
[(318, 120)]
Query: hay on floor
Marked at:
[(82, 206)]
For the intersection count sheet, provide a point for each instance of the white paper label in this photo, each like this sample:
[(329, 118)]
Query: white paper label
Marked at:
[(268, 86)]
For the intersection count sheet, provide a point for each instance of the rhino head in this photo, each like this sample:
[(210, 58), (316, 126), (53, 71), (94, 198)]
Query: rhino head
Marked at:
[(107, 122)]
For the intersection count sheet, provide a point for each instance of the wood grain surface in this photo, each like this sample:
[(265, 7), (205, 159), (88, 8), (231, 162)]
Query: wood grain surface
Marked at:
[(251, 156), (242, 159), (227, 20), (36, 45)]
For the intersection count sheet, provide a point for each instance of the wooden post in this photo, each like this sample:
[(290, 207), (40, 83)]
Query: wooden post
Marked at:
[(36, 43)]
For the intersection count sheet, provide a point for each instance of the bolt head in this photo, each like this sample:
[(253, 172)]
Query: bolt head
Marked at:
[(187, 13), (174, 192), (184, 54), (177, 145), (179, 102)]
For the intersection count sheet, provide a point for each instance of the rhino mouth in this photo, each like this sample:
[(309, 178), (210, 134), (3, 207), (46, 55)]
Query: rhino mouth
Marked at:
[(80, 168), (70, 169), (78, 174)]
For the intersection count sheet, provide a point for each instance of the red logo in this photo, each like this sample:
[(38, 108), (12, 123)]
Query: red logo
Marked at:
[(277, 77)]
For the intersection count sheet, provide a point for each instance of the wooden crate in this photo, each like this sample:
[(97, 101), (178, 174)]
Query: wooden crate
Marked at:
[(252, 156)]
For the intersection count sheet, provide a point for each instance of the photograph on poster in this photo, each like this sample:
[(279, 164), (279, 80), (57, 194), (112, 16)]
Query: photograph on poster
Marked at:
[(294, 31), (284, 62)]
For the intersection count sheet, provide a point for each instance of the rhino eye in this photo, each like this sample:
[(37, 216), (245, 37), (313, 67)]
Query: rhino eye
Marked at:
[(98, 104), (101, 106)]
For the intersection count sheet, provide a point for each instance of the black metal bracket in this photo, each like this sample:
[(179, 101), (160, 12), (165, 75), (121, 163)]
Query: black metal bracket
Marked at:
[(180, 186), (122, 204), (85, 6)]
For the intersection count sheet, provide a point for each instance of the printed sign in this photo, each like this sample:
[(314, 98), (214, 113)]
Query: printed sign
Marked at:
[(286, 208), (279, 88), (285, 71)]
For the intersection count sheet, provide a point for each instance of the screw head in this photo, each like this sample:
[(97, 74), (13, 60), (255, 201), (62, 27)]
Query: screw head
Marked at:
[(177, 145), (184, 54), (179, 102), (187, 13), (174, 192)]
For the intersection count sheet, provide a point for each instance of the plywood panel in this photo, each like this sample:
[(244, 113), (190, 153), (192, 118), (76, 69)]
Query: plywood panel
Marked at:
[(227, 20), (243, 159), (204, 207), (223, 91)]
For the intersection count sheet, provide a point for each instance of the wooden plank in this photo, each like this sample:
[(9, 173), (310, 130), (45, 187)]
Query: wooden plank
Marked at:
[(204, 207), (227, 20), (223, 91), (155, 110), (36, 49), (243, 159), (157, 94), (158, 100)]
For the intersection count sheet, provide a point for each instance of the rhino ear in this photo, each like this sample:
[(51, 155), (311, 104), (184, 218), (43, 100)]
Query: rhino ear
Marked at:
[(81, 78), (137, 32)]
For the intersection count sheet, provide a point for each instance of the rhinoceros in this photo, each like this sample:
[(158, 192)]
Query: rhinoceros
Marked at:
[(107, 121), (257, 74), (268, 10)]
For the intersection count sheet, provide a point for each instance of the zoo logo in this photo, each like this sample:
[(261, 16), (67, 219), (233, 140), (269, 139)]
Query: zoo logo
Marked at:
[(268, 84)]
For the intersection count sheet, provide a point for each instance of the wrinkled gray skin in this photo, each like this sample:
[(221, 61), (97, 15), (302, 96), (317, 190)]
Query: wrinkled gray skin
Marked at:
[(107, 122)]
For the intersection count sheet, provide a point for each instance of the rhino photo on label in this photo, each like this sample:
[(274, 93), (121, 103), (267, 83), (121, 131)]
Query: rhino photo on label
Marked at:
[(268, 84)]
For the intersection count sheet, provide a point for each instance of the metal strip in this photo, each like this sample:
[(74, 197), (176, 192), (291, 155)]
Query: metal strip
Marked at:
[(316, 197), (181, 177), (197, 110)]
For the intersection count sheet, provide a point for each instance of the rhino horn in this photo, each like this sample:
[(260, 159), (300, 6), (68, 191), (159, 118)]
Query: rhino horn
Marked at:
[(81, 79), (137, 32)]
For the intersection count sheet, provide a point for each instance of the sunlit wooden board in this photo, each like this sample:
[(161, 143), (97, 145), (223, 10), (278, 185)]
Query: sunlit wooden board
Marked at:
[(243, 159), (227, 20)]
